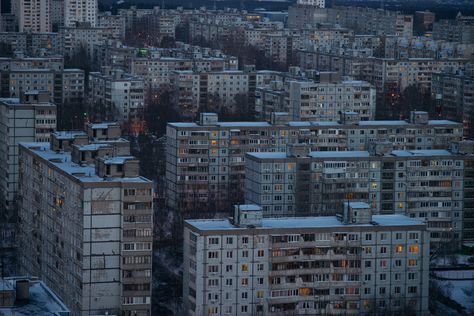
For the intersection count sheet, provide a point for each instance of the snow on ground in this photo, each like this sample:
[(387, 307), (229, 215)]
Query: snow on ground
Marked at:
[(461, 291), (456, 274), (448, 260)]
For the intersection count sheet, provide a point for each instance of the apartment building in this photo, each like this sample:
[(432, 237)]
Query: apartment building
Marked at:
[(84, 36), (108, 20), (22, 74), (91, 243), (116, 95), (454, 91), (30, 118), (461, 29), (372, 21), (32, 44), (78, 11), (32, 15), (157, 71), (316, 3), (426, 184), (217, 91), (205, 160), (316, 100), (353, 264)]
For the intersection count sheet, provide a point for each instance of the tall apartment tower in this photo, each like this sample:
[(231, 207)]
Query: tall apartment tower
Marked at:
[(354, 264), (32, 15), (86, 221), (80, 11), (30, 118)]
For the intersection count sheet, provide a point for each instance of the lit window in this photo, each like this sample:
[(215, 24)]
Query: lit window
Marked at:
[(414, 249), (399, 249), (245, 267), (412, 262), (259, 294), (213, 142)]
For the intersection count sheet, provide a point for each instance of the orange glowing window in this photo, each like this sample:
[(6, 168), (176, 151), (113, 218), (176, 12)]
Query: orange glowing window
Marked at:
[(414, 249), (399, 249)]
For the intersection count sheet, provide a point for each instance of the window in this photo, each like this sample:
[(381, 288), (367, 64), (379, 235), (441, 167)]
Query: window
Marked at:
[(412, 289), (396, 290), (213, 268), (261, 253), (383, 249), (412, 262), (367, 277), (228, 282), (368, 264), (244, 308), (260, 267), (383, 277), (213, 282), (229, 254), (213, 241), (229, 240), (260, 294), (245, 267), (411, 276), (245, 240), (228, 268), (383, 263), (244, 281), (413, 249), (399, 249), (245, 253), (367, 290), (382, 290), (244, 295), (213, 254), (398, 263)]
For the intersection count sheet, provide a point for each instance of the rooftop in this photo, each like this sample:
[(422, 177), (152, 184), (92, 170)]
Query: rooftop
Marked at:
[(84, 173), (303, 222), (42, 300)]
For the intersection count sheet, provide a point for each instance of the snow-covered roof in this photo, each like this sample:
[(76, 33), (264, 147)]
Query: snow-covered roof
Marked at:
[(304, 222), (83, 173), (339, 154)]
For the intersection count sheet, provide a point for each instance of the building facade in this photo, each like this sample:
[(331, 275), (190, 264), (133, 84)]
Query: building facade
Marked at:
[(91, 243), (205, 160), (355, 264), (30, 118)]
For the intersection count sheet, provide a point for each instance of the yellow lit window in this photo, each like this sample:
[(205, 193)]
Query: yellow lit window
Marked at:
[(245, 268), (400, 205), (399, 249), (304, 291), (244, 281), (290, 166), (234, 142), (283, 133), (259, 294), (214, 134), (412, 262), (374, 185), (414, 249), (213, 142)]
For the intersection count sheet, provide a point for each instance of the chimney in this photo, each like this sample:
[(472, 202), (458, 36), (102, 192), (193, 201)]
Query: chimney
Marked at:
[(23, 290)]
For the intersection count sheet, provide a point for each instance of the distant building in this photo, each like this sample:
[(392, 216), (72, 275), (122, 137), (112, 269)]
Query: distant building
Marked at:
[(117, 95), (316, 3), (423, 21), (323, 99), (78, 11), (81, 195), (460, 29), (32, 15), (357, 263), (29, 296), (452, 92)]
